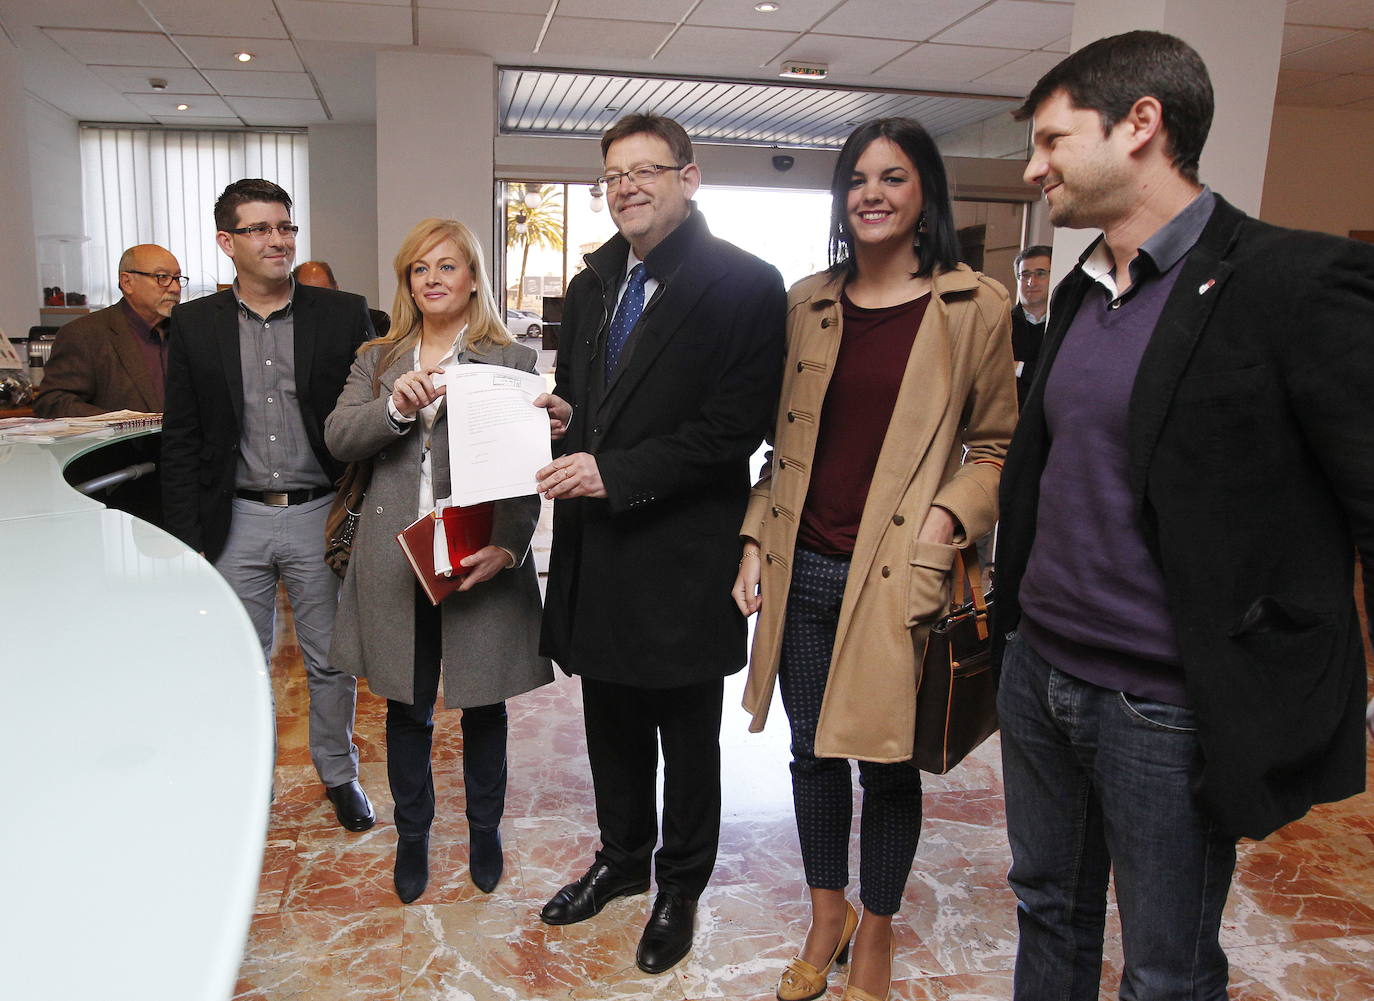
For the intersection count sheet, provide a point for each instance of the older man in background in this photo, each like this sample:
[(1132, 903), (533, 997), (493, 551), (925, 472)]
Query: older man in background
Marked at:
[(116, 358)]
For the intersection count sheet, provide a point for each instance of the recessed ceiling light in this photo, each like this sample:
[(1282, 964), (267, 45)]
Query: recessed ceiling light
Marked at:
[(183, 107), (243, 57), (766, 6)]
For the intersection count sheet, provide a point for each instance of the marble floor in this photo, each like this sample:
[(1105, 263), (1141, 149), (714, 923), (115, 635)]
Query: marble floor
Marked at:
[(1299, 925)]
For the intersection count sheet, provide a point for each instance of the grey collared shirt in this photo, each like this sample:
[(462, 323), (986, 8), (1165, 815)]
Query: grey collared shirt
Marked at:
[(274, 450), (1165, 247)]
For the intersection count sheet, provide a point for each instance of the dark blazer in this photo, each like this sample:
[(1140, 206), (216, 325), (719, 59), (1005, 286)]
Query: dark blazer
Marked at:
[(1252, 467), (639, 582), (96, 367), (1025, 348), (204, 411)]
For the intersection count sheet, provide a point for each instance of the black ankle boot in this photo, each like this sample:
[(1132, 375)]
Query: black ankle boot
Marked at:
[(412, 867), (485, 860)]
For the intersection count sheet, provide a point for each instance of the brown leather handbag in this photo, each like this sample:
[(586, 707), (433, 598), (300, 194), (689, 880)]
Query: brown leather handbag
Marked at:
[(956, 701), (341, 524)]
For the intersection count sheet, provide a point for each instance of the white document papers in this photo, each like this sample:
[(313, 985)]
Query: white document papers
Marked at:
[(497, 438)]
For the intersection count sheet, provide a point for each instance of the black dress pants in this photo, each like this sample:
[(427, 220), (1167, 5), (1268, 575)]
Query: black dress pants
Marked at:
[(410, 738), (625, 727)]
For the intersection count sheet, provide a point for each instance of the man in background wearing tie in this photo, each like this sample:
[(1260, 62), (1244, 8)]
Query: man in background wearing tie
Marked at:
[(669, 361)]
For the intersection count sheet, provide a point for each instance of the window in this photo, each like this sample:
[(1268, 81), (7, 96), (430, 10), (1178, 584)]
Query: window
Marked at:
[(160, 185)]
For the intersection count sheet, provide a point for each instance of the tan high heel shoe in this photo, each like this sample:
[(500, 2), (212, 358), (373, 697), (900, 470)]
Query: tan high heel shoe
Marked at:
[(859, 994), (803, 982)]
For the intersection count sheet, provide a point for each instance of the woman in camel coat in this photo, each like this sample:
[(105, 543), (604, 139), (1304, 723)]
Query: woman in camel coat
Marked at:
[(897, 404)]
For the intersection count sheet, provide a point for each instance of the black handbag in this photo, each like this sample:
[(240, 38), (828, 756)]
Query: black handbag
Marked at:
[(956, 700)]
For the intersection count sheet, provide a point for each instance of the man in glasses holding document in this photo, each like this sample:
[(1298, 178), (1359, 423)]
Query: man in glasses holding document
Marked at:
[(668, 367)]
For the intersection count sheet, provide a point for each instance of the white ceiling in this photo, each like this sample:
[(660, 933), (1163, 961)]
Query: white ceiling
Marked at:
[(313, 64)]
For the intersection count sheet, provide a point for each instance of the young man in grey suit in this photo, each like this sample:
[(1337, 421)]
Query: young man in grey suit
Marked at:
[(669, 362), (247, 480)]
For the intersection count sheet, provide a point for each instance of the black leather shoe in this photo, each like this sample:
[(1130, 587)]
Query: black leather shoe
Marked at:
[(412, 868), (351, 806), (668, 935), (485, 861), (598, 886)]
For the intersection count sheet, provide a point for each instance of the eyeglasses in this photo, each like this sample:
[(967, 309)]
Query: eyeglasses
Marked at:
[(161, 278), (1039, 274), (640, 176), (261, 230)]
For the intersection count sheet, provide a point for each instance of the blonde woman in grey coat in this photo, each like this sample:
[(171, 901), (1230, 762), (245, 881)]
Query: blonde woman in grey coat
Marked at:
[(486, 634)]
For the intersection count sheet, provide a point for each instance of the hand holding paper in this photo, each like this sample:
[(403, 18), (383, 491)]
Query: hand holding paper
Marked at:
[(497, 438)]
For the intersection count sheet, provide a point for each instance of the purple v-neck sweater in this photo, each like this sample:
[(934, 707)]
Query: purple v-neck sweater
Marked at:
[(1093, 598)]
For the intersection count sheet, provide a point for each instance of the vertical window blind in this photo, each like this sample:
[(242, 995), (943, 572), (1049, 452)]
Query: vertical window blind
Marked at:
[(160, 185)]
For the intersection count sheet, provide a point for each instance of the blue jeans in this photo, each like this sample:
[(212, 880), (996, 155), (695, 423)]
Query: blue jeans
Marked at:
[(1098, 782)]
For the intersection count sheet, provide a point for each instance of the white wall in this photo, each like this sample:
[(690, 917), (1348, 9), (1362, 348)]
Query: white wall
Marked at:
[(1319, 170), (19, 288), (436, 116), (55, 158), (343, 207)]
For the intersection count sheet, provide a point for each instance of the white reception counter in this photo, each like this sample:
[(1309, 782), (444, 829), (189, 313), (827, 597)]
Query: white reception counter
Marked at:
[(136, 744)]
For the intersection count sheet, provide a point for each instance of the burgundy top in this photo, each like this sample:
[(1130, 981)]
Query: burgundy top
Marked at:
[(858, 406), (152, 345)]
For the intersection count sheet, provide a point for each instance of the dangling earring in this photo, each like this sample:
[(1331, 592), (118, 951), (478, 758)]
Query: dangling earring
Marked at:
[(916, 237)]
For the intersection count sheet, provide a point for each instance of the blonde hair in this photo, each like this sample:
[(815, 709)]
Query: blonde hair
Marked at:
[(485, 325)]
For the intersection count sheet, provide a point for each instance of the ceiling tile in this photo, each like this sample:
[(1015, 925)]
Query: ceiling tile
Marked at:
[(1297, 37), (1337, 90), (951, 63), (134, 79), (670, 11), (540, 7), (793, 15), (347, 22), (251, 83), (1336, 13), (384, 3), (844, 55), (248, 18), (1015, 24), (884, 19), (1059, 44), (271, 111), (495, 34), (218, 53), (118, 48), (582, 36), (1351, 54), (707, 46), (1295, 79), (201, 105), (1024, 72), (125, 15)]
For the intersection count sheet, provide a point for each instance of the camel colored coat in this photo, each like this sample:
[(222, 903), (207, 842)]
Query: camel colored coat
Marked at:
[(958, 393)]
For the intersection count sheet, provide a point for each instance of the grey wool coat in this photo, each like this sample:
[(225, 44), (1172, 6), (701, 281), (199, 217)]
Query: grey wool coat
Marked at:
[(491, 633)]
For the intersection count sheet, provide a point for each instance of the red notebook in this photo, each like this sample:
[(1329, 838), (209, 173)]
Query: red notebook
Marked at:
[(466, 532)]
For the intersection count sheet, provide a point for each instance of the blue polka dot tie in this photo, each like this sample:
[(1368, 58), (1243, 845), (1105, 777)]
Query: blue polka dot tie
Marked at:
[(626, 315)]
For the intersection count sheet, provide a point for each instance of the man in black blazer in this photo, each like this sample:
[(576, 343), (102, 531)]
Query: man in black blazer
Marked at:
[(1192, 470), (1032, 268), (253, 372), (668, 369)]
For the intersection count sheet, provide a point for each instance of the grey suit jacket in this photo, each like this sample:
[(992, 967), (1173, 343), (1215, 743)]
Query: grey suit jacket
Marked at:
[(96, 367), (491, 633)]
